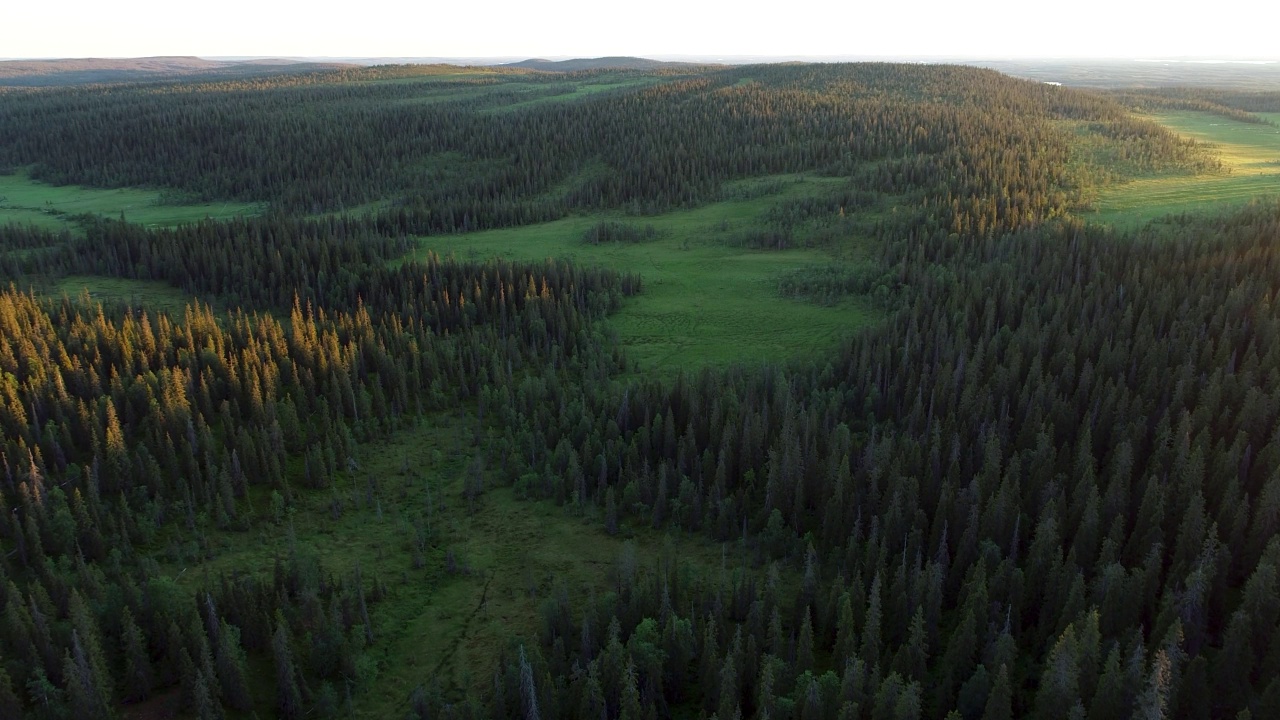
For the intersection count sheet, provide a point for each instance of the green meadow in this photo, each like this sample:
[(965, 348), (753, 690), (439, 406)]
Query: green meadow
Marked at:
[(154, 295), (706, 299), (1250, 155), (26, 201)]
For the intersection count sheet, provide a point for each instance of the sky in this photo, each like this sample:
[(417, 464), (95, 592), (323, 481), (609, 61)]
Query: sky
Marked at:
[(988, 29)]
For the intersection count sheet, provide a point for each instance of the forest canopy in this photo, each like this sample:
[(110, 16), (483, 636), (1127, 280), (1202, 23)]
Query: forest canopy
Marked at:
[(1044, 483)]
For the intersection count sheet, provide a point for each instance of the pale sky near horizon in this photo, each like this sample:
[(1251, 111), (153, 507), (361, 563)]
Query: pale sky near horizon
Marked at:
[(589, 28)]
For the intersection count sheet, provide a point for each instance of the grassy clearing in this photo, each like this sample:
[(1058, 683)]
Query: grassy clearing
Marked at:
[(1250, 155), (150, 294), (1244, 147), (704, 301), (437, 624), (27, 201)]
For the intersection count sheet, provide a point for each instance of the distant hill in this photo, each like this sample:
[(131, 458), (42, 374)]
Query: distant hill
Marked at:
[(603, 63), (80, 71), (1254, 75)]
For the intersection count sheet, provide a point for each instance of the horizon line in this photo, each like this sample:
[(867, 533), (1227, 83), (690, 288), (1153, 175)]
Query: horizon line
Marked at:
[(709, 57)]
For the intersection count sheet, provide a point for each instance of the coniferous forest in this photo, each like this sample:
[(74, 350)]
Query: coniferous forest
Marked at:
[(1044, 483)]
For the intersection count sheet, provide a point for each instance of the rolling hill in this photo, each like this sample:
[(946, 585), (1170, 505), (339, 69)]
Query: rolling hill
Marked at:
[(602, 63), (84, 71)]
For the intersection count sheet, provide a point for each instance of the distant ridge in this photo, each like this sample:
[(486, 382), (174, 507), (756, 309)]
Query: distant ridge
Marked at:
[(80, 71), (601, 63), (1173, 72)]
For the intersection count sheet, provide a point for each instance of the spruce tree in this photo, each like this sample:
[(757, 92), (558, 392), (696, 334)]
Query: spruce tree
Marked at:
[(289, 699)]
